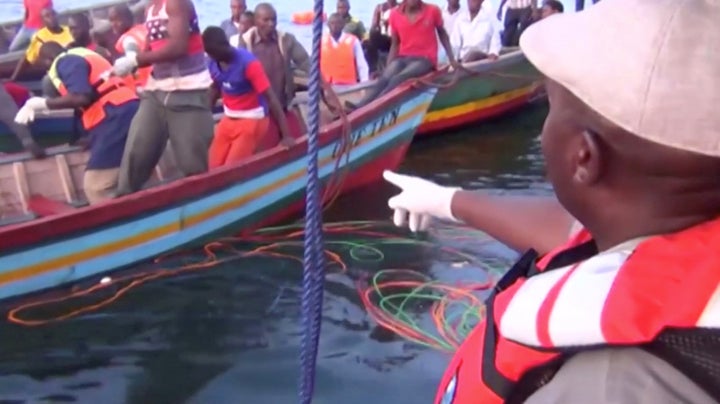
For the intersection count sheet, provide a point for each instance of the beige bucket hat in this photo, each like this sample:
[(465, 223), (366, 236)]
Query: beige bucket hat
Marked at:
[(651, 67)]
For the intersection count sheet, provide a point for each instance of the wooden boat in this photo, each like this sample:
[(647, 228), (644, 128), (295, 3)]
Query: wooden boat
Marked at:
[(484, 90), (49, 238), (98, 14)]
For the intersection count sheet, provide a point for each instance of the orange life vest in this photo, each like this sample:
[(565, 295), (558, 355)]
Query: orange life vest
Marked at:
[(337, 63), (637, 294), (107, 91), (138, 33)]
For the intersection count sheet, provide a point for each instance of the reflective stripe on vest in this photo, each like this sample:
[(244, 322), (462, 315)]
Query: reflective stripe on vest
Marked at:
[(337, 63), (623, 297), (112, 90)]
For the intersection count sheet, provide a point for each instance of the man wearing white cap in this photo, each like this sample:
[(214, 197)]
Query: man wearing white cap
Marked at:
[(628, 309)]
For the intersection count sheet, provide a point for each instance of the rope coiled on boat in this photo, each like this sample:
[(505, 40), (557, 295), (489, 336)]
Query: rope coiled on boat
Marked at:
[(314, 258)]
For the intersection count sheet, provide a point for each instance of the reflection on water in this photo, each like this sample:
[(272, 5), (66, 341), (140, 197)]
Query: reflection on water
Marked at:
[(230, 334)]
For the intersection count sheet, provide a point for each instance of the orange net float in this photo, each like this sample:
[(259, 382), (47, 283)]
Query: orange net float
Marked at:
[(304, 17)]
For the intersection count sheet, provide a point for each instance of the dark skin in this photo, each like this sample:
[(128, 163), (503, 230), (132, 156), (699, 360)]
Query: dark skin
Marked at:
[(237, 7), (412, 10), (223, 54), (617, 185), (336, 23), (178, 27), (121, 19), (50, 21), (70, 100), (453, 6), (246, 22), (343, 8), (377, 14), (80, 30), (502, 4)]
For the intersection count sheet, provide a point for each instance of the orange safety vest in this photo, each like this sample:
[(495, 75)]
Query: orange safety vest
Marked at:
[(139, 34), (337, 63), (107, 91), (642, 294)]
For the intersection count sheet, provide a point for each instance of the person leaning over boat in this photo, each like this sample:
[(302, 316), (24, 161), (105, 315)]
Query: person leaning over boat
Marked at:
[(416, 28), (32, 22), (131, 38), (352, 25), (551, 7), (476, 34), (342, 60), (107, 106), (246, 93), (79, 26), (280, 54), (627, 310), (174, 102), (231, 26), (51, 32), (11, 103)]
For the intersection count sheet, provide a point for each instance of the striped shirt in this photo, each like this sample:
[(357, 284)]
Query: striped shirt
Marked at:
[(519, 3)]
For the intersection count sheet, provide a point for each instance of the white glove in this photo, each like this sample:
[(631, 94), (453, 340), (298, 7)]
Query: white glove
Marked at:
[(419, 201), (25, 115), (36, 104), (125, 65)]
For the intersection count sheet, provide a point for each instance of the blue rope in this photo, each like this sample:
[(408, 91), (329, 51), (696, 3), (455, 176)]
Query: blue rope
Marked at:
[(314, 257)]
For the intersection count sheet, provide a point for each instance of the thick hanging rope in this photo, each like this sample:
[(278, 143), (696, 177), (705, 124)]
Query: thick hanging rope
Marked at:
[(314, 259)]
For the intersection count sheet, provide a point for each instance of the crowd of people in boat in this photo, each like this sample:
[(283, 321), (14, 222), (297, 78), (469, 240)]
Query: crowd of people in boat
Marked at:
[(147, 87)]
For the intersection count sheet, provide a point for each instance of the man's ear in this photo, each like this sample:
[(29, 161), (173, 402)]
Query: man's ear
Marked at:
[(588, 160)]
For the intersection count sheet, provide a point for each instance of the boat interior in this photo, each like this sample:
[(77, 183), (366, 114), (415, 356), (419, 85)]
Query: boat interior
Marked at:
[(32, 188)]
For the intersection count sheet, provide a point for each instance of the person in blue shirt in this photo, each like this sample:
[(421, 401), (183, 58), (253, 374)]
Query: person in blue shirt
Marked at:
[(239, 78), (106, 108)]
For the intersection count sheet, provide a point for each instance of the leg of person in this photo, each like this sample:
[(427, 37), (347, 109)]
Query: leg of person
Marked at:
[(21, 39), (7, 117), (100, 184), (146, 141), (222, 140), (395, 67), (415, 68), (372, 53), (526, 18), (474, 56), (248, 133), (512, 19), (190, 126)]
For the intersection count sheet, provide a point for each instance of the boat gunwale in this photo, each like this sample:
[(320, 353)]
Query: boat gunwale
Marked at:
[(45, 229)]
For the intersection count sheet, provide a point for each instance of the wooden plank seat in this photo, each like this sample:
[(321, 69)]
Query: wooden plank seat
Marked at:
[(43, 206)]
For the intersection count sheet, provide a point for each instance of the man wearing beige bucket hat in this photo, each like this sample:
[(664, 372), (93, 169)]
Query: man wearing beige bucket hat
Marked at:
[(628, 309)]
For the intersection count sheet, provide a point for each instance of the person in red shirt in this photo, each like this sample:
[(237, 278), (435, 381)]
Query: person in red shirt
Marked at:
[(247, 98), (32, 22), (414, 47)]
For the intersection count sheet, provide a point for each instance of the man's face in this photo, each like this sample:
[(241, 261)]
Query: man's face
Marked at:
[(49, 18), (237, 7), (474, 5), (453, 3), (265, 21), (343, 8), (336, 25), (116, 22), (77, 29), (246, 23)]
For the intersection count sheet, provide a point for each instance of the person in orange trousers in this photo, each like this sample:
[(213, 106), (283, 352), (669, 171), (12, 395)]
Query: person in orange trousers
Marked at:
[(246, 93)]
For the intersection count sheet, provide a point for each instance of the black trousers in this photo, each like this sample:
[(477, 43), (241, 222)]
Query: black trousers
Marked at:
[(516, 20)]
